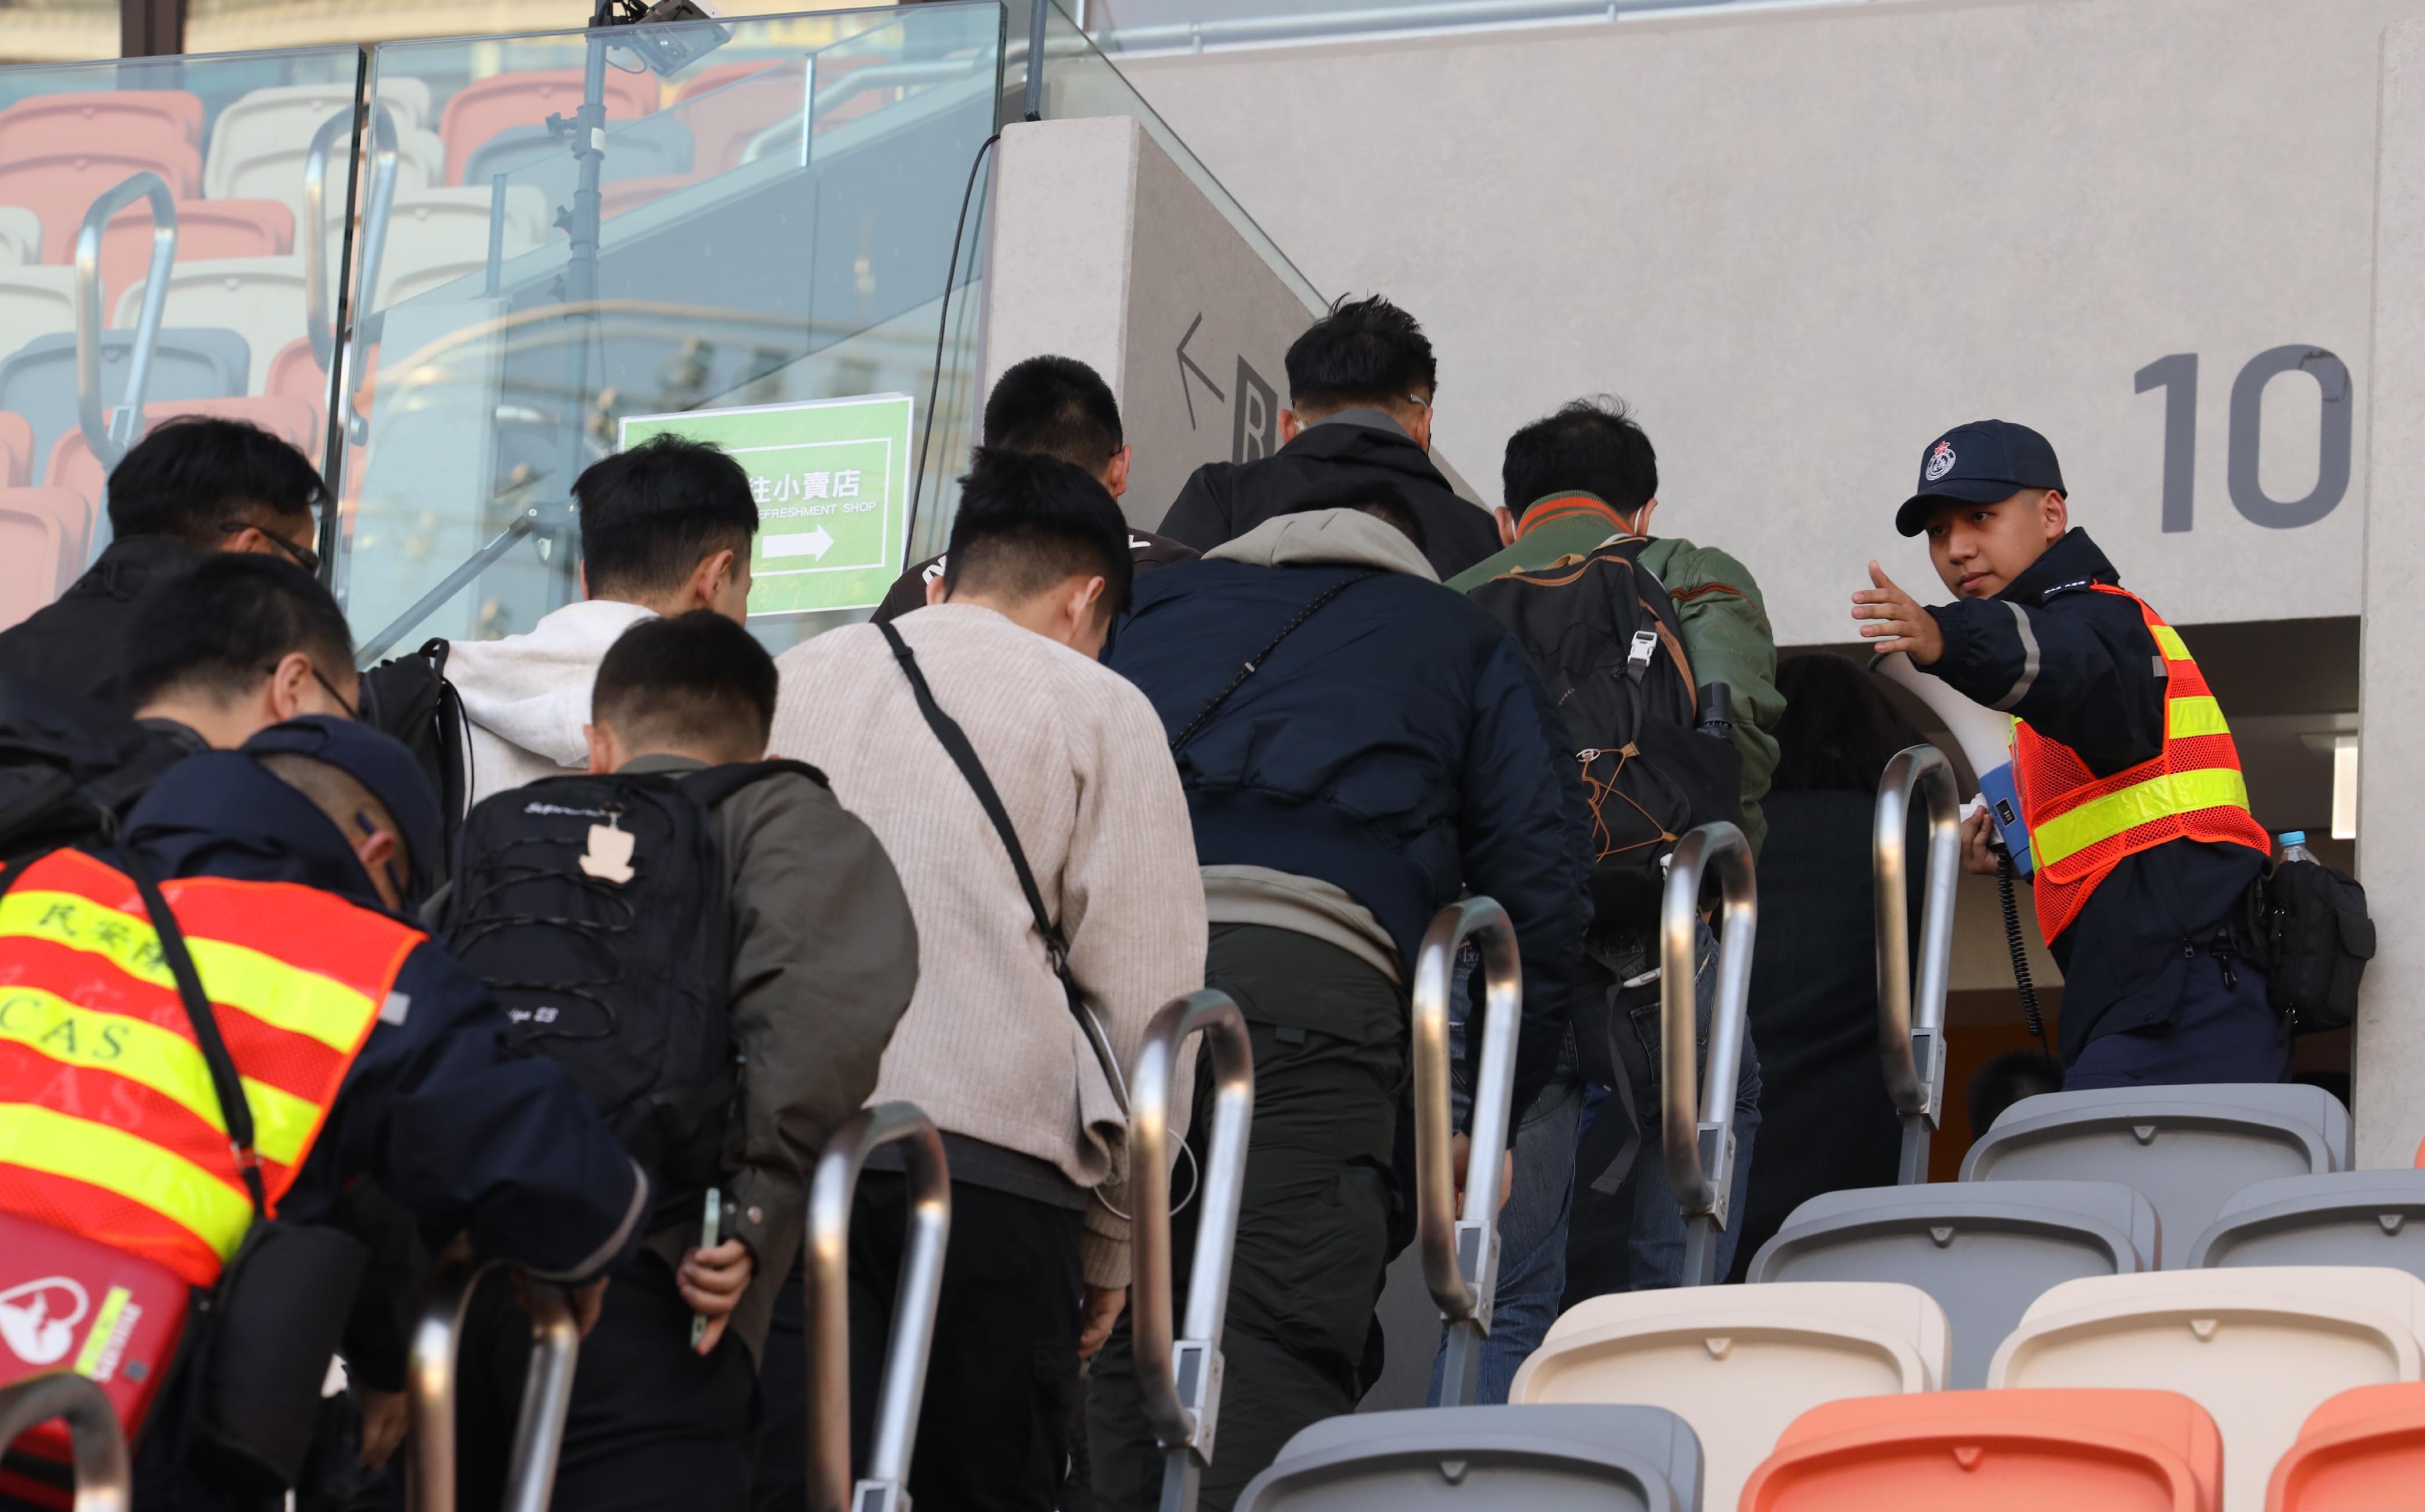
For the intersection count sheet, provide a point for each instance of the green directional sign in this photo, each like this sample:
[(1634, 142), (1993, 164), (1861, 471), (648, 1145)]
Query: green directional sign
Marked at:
[(831, 478)]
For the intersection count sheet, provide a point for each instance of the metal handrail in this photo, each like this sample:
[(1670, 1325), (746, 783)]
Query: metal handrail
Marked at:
[(885, 1486), (1698, 1136), (378, 209), (319, 313), (110, 435), (1180, 1379), (105, 1478), (1460, 1255), (547, 1388), (1911, 1037)]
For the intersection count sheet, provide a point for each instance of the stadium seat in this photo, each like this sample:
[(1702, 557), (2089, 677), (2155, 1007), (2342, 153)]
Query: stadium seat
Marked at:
[(659, 147), (1539, 1458), (206, 229), (36, 123), (261, 296), (35, 302), (39, 382), (728, 106), (1995, 1451), (275, 125), (1740, 1362), (484, 107), (38, 557), (1983, 1250), (2258, 1348), (2362, 1450), (21, 236), (16, 450), (2343, 1218), (73, 466), (434, 237), (59, 186), (2187, 1148), (620, 194)]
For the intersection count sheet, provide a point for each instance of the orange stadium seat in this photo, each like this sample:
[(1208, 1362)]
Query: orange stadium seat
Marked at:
[(2362, 1450), (16, 450), (36, 124), (2014, 1451), (483, 108), (61, 186), (205, 229), (728, 106), (44, 537), (294, 420)]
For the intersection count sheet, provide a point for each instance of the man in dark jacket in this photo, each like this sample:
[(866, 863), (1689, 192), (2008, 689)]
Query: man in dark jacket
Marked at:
[(1388, 753), (1359, 416), (192, 487), (506, 1151), (2129, 783)]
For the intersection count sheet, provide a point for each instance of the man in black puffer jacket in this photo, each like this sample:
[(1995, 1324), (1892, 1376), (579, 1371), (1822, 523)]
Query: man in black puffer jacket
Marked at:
[(1359, 416), (1392, 750)]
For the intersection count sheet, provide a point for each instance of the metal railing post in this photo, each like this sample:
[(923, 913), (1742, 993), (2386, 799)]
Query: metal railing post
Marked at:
[(110, 432), (885, 1486), (1180, 1379), (104, 1480), (547, 1389), (1911, 1038), (1460, 1255), (1698, 1136)]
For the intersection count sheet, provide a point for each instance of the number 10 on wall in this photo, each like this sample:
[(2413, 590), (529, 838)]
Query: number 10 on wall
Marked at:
[(2177, 376)]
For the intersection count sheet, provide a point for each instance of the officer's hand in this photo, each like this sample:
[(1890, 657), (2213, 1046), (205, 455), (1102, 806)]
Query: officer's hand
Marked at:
[(1896, 620), (1460, 1156), (585, 1302), (1103, 1307), (712, 1281), (1976, 858), (385, 1416)]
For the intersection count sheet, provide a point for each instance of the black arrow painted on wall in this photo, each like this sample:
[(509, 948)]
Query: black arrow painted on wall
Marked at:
[(1187, 365)]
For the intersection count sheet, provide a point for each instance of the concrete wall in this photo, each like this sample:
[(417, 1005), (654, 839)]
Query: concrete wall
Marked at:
[(1804, 241)]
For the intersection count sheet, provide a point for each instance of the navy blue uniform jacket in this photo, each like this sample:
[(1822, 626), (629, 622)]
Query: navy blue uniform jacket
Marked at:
[(1396, 746), (2081, 668)]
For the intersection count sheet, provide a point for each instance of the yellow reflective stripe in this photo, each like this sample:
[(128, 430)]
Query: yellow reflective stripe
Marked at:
[(105, 1327), (2194, 716), (60, 1143), (2067, 834), (236, 976), (2169, 641), (160, 1059)]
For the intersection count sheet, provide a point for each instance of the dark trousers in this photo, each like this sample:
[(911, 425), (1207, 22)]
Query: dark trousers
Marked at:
[(994, 1426), (653, 1424), (1316, 1228), (2223, 1031)]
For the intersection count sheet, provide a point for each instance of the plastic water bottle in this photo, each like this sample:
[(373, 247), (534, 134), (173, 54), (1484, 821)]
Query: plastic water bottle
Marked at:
[(2294, 847)]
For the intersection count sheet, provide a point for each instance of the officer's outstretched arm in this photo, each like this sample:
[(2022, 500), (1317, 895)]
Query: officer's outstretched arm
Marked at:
[(2080, 668)]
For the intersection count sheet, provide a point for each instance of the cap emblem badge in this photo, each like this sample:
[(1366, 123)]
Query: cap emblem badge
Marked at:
[(1940, 461)]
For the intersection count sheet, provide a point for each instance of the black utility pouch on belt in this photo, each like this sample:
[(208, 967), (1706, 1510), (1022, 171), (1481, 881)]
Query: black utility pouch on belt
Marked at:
[(2317, 942), (274, 1321)]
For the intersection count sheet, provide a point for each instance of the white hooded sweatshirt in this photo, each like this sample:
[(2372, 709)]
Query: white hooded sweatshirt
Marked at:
[(526, 697)]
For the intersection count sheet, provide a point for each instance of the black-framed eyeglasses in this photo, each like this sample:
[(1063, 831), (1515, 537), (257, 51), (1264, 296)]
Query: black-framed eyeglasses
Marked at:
[(302, 556)]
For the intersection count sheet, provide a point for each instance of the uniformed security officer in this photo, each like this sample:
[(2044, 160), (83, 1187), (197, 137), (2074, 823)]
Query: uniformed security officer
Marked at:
[(2129, 782)]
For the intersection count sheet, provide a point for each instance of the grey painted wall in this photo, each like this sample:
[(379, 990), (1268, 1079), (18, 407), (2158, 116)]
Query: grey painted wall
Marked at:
[(1805, 241)]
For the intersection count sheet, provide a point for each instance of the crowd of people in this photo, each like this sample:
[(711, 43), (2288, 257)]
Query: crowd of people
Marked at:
[(633, 916)]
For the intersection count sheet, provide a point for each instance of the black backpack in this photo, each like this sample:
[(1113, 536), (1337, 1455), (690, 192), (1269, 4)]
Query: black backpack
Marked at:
[(409, 696), (1604, 637), (626, 984), (69, 768)]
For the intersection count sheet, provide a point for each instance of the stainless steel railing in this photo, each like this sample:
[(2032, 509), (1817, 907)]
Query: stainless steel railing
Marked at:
[(110, 431), (547, 1389), (104, 1480), (1180, 1379), (1698, 1134), (1460, 1254), (885, 1485), (1911, 1036)]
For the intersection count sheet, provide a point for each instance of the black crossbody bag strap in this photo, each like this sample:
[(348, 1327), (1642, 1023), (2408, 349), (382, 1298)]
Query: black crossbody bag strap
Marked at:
[(954, 742), (1257, 660)]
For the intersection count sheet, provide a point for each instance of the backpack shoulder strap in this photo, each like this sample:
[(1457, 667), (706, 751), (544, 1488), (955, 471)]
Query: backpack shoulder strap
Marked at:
[(717, 783), (1204, 716)]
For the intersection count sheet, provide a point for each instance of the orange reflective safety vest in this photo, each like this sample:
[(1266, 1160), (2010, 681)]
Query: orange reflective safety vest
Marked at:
[(109, 1124), (2082, 825)]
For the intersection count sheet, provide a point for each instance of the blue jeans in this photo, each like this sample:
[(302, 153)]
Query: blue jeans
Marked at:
[(1532, 1226)]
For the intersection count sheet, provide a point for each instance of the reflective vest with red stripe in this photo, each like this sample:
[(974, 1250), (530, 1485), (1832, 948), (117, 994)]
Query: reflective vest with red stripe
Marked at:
[(2082, 825), (109, 1124)]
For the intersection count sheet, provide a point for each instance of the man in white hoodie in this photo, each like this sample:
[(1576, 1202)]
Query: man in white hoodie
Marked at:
[(664, 529)]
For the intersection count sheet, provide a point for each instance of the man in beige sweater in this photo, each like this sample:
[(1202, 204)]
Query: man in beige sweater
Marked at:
[(992, 1047)]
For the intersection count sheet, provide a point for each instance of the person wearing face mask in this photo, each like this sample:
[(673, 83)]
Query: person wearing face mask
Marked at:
[(2140, 829)]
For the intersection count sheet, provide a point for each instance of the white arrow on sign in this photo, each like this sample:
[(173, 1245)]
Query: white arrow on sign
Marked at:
[(814, 543)]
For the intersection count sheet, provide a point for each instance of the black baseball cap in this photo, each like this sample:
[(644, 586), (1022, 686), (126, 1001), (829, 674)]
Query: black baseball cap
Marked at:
[(380, 763), (1982, 462)]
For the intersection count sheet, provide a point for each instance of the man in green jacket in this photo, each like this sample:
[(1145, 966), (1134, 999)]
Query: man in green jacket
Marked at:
[(1587, 474)]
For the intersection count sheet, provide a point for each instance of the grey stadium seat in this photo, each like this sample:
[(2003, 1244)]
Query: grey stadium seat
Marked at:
[(2189, 1148), (2346, 1218), (188, 362), (1984, 1251), (1567, 1458)]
